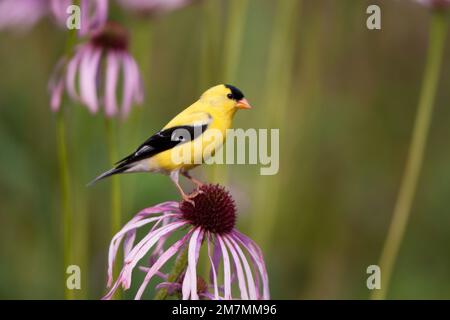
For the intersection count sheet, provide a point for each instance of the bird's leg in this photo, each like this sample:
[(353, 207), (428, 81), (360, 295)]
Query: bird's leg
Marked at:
[(174, 177), (198, 183)]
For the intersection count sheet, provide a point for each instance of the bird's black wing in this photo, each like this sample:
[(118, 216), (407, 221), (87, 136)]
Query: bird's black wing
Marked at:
[(162, 141)]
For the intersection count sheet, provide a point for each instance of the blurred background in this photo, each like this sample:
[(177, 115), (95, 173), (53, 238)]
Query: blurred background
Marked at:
[(343, 97)]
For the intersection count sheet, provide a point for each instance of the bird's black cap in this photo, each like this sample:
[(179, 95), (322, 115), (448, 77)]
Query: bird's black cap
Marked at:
[(235, 92)]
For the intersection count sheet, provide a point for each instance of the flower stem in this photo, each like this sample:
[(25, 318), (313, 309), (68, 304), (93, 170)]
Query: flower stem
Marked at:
[(408, 187), (277, 92), (237, 13), (179, 267), (233, 38), (115, 187), (67, 216)]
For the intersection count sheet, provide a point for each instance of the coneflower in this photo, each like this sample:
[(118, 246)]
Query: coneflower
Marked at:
[(96, 66), (211, 221)]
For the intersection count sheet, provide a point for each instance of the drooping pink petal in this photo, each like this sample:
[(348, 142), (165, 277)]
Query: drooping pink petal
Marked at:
[(239, 270), (159, 249), (226, 269), (252, 288), (217, 254), (130, 227), (131, 83), (193, 251), (213, 270), (56, 84), (168, 206), (128, 241), (113, 289), (186, 286), (143, 247), (56, 95), (169, 253), (257, 258), (112, 76), (115, 243), (131, 235), (71, 73), (88, 78)]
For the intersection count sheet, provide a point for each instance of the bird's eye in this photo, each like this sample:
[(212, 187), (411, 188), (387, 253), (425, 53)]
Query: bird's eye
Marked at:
[(230, 96)]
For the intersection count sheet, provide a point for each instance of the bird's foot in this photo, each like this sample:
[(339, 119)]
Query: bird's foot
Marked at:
[(198, 184), (196, 193), (188, 198)]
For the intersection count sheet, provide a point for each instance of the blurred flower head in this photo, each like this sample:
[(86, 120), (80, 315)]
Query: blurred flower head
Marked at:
[(210, 221), (435, 4), (91, 76), (21, 15), (153, 7)]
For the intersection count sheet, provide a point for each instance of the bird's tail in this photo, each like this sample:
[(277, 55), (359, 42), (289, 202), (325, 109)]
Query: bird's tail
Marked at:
[(108, 174)]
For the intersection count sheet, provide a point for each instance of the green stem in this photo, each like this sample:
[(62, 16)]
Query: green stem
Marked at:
[(115, 187), (178, 268), (276, 93), (232, 49), (233, 38), (408, 187), (65, 180), (210, 43), (67, 215)]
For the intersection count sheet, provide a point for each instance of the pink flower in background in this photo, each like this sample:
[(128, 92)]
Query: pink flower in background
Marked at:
[(93, 15), (22, 14), (435, 4), (92, 74), (211, 221), (154, 7)]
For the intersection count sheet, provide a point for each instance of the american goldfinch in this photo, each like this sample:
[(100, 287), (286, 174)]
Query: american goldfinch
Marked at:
[(213, 112)]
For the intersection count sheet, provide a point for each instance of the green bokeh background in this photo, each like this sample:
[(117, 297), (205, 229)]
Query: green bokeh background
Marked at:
[(349, 96)]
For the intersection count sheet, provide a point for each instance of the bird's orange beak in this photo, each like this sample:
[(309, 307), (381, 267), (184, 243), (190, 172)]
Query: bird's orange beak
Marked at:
[(243, 104)]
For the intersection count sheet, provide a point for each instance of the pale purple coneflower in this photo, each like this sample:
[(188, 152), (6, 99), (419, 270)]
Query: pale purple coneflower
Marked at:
[(153, 7), (92, 74), (435, 4), (93, 13), (212, 221)]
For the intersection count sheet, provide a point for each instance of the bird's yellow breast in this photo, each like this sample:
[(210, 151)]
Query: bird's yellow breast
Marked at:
[(193, 153)]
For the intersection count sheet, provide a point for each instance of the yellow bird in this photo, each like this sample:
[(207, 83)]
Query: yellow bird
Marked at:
[(202, 125)]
